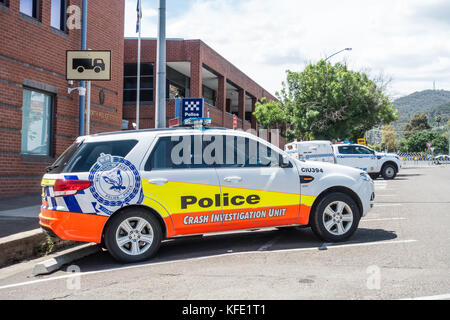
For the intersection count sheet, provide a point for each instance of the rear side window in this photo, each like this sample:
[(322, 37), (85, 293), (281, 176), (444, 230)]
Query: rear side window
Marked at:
[(81, 157), (177, 152)]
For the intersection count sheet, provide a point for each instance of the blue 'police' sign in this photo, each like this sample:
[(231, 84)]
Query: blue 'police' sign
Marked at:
[(191, 108)]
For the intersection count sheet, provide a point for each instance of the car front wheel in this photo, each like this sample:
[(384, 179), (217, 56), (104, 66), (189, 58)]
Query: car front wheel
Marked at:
[(336, 217), (388, 172), (133, 235)]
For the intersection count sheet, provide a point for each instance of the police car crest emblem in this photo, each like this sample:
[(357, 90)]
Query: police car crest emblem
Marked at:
[(115, 182)]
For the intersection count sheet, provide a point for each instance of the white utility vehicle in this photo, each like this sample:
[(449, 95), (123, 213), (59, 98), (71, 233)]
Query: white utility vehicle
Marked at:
[(311, 150), (348, 154)]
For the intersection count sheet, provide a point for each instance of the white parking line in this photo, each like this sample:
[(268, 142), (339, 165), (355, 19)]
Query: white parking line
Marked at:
[(268, 244), (329, 246), (381, 219), (438, 297), (376, 205)]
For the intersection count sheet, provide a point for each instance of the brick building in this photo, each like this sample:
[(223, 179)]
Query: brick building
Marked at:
[(38, 118), (193, 70)]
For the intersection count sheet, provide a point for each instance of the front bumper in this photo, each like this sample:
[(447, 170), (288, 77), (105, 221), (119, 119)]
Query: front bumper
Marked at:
[(367, 196)]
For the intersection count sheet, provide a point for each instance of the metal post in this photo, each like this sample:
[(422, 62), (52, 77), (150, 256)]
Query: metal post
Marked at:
[(82, 84), (160, 110), (88, 108), (138, 93)]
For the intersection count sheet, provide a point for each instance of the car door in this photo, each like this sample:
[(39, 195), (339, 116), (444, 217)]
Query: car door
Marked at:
[(178, 184), (366, 160), (346, 155), (255, 190)]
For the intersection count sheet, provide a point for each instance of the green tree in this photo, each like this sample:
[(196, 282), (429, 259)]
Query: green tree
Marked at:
[(270, 114), (417, 142), (438, 119), (418, 122), (332, 102)]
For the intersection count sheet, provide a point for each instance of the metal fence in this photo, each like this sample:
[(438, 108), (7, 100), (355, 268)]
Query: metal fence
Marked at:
[(422, 160)]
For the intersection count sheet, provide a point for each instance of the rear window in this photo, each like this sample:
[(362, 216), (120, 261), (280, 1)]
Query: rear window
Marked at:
[(80, 157)]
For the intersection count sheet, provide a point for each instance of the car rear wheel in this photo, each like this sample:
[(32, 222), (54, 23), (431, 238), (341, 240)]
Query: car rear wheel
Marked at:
[(388, 172), (133, 235), (336, 217)]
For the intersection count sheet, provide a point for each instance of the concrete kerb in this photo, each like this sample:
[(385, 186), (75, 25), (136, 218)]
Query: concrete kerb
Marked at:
[(64, 258), (27, 245)]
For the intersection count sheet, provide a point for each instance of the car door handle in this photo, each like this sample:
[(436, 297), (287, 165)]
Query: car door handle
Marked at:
[(233, 179), (158, 181)]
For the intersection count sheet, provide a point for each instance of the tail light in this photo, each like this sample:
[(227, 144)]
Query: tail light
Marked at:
[(70, 187)]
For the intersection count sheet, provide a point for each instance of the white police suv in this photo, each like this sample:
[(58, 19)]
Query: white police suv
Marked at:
[(130, 190)]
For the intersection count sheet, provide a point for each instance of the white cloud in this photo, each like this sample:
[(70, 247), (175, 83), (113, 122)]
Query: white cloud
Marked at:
[(263, 38)]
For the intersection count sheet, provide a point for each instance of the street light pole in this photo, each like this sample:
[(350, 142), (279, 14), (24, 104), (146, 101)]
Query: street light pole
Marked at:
[(346, 49), (160, 110), (83, 83)]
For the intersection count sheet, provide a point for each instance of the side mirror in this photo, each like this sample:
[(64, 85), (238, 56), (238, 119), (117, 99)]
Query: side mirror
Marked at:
[(284, 162)]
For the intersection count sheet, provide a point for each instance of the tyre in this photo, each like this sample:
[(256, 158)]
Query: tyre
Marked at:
[(133, 235), (336, 217), (374, 176), (388, 171), (97, 69), (80, 69)]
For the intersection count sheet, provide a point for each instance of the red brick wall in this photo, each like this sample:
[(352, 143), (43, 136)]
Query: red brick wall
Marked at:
[(34, 51), (198, 53)]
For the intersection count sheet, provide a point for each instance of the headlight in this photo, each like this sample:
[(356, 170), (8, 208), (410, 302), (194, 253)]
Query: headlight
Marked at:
[(365, 176)]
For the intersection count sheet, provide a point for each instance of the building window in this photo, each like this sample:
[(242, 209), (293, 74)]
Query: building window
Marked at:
[(58, 14), (130, 83), (208, 95), (36, 122), (177, 84), (30, 8), (4, 2)]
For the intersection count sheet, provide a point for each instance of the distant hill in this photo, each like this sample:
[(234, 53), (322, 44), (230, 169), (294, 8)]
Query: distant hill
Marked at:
[(432, 102)]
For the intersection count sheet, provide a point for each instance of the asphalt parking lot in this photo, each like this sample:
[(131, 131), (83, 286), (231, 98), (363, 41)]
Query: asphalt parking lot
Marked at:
[(401, 250)]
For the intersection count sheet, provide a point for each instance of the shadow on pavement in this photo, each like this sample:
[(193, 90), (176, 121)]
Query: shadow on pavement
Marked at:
[(401, 175), (246, 241)]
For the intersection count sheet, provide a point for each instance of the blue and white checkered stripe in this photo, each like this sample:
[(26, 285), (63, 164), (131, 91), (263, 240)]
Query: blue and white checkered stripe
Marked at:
[(357, 156), (76, 203), (49, 197), (323, 155)]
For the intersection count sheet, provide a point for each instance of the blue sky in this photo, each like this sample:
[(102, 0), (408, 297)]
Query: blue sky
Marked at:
[(402, 40)]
